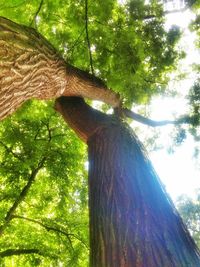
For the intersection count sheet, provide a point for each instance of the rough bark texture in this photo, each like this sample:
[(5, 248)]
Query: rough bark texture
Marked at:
[(31, 68), (83, 119), (133, 222)]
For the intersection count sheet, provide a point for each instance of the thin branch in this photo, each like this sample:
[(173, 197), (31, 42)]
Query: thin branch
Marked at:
[(11, 252), (87, 36), (22, 195), (76, 42), (9, 150), (51, 228), (36, 14), (153, 123), (48, 228)]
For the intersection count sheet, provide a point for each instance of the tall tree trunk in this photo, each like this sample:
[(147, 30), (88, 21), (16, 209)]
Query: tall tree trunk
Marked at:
[(133, 222), (30, 67)]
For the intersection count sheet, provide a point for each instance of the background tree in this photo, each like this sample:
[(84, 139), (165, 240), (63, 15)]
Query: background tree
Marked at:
[(190, 211), (44, 217)]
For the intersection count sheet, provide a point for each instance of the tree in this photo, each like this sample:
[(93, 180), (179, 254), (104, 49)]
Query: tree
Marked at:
[(132, 220), (44, 200), (190, 212)]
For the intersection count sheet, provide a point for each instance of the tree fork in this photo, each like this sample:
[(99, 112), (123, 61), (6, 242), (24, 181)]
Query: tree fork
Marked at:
[(30, 67), (133, 222)]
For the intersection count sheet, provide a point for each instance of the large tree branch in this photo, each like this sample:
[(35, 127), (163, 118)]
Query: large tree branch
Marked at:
[(85, 120), (30, 67), (82, 118), (153, 123), (21, 196)]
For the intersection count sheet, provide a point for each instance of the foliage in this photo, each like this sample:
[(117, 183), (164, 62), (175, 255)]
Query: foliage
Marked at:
[(133, 53), (194, 100), (130, 48), (194, 95), (190, 211), (53, 217)]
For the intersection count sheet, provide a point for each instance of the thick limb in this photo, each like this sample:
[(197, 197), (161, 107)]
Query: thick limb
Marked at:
[(83, 119), (30, 67)]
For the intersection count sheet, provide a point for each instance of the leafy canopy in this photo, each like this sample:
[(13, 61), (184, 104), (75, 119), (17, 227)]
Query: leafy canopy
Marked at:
[(43, 201), (130, 49)]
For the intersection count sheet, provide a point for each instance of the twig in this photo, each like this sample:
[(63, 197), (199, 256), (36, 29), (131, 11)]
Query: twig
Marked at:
[(76, 42), (87, 36), (36, 14)]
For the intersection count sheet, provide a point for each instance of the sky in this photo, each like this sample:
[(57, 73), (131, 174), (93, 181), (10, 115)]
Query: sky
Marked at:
[(179, 171)]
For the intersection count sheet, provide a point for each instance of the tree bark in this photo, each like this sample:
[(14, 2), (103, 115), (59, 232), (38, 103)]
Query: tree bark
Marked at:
[(30, 67), (133, 222)]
